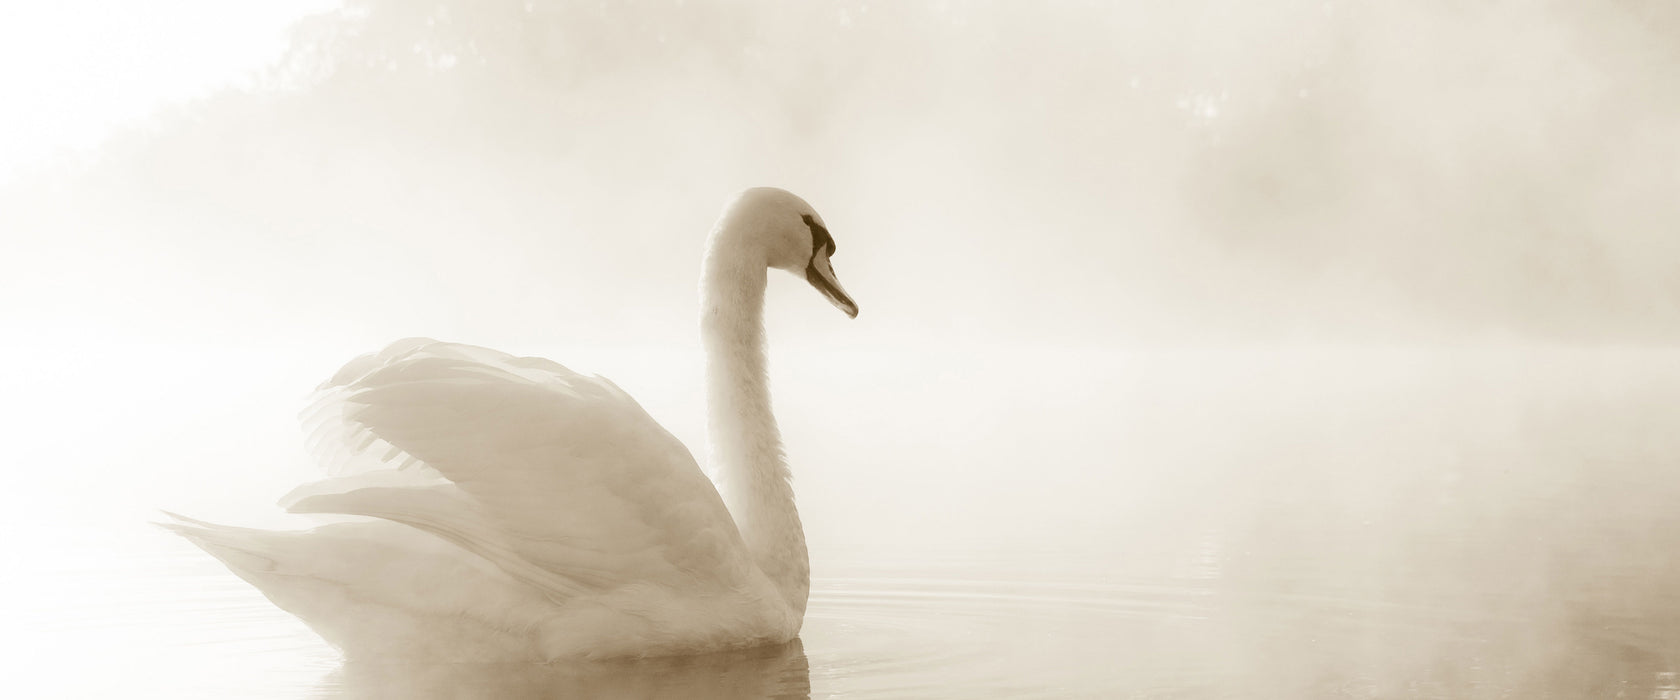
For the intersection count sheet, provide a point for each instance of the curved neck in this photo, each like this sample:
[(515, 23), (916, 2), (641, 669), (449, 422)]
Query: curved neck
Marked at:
[(746, 444)]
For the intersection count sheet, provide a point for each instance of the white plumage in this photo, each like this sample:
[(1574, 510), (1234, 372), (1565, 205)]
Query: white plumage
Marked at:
[(517, 510)]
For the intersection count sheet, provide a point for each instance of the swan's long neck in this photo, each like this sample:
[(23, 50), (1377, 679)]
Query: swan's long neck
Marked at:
[(746, 444)]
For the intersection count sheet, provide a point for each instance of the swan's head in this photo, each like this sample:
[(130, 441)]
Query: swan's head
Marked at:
[(792, 236)]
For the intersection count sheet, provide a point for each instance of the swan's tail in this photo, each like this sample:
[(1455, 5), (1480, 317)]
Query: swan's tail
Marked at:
[(380, 588), (245, 551), (275, 562)]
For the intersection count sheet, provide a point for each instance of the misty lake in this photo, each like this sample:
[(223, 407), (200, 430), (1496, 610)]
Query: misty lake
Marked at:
[(1394, 525), (1305, 350)]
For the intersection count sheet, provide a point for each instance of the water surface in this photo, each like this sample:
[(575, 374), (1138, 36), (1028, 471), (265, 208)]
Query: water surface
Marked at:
[(1286, 527)]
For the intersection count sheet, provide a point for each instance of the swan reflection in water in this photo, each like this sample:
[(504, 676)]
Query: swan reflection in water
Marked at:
[(776, 672)]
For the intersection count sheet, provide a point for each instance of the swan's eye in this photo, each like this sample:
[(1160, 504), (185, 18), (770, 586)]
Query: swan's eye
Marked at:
[(819, 236)]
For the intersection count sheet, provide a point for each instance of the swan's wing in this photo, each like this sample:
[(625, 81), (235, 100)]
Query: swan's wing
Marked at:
[(562, 480)]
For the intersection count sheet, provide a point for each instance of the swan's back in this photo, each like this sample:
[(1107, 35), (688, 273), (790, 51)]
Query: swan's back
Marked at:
[(539, 511)]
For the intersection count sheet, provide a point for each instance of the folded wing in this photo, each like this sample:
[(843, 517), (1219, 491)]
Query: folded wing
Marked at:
[(560, 479)]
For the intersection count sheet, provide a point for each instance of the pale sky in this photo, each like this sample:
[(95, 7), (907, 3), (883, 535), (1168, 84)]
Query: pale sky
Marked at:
[(72, 71)]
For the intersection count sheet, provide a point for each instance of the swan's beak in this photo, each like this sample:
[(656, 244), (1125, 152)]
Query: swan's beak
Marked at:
[(820, 273)]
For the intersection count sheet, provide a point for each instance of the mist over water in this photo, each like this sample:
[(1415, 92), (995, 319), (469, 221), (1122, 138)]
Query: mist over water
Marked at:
[(1207, 349), (1182, 172)]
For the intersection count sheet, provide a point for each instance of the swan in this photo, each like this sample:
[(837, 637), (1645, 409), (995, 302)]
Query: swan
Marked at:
[(514, 510)]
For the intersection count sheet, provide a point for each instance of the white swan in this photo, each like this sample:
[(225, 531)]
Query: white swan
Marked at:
[(522, 511)]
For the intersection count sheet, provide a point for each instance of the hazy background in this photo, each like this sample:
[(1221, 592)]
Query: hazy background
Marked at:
[(1388, 290)]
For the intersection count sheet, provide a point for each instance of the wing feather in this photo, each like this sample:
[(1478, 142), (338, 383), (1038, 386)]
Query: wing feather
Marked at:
[(560, 479)]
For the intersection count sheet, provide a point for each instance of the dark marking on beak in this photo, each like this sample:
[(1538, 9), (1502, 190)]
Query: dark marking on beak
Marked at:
[(821, 241), (819, 236)]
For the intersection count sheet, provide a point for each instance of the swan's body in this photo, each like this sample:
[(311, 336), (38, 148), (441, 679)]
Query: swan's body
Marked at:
[(516, 510)]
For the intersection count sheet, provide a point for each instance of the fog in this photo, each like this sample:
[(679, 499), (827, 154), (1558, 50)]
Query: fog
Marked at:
[(1070, 173), (1386, 291)]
